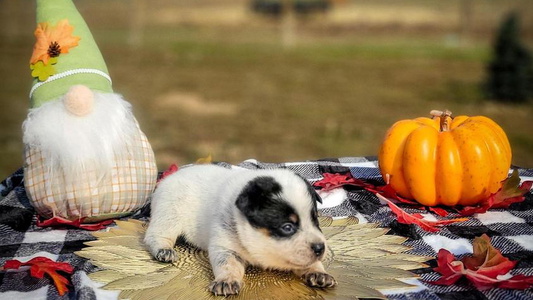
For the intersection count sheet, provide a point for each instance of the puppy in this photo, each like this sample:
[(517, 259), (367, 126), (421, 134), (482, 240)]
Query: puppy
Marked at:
[(264, 218)]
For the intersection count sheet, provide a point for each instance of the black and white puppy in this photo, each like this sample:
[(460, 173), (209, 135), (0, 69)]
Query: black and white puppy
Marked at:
[(265, 218)]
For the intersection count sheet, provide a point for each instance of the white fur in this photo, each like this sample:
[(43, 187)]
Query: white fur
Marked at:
[(198, 202), (71, 143)]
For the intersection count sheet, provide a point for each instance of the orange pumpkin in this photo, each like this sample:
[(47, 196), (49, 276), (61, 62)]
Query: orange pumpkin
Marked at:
[(445, 161)]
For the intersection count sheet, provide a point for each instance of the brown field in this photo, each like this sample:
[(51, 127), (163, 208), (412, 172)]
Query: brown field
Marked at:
[(211, 77)]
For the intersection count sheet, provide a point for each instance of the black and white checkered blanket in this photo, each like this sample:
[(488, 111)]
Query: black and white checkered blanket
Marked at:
[(511, 231)]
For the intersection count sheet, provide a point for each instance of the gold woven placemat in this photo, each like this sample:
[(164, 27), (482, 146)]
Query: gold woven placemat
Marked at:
[(361, 257)]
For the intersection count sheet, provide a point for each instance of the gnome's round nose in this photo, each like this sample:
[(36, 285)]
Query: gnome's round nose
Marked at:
[(79, 100)]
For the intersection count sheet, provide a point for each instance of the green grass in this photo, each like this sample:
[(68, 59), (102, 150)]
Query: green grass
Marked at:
[(316, 100), (236, 93)]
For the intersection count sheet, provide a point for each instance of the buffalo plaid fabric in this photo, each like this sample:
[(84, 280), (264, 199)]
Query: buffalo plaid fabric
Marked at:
[(511, 231)]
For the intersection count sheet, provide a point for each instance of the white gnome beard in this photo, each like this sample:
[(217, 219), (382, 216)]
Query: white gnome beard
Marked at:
[(72, 145)]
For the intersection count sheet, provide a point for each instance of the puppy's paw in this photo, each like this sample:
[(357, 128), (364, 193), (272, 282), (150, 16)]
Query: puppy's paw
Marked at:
[(319, 279), (225, 288), (166, 255)]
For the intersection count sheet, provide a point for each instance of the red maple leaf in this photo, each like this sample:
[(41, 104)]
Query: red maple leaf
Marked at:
[(78, 223), (388, 191), (517, 282), (481, 269), (42, 265), (510, 192), (405, 218), (487, 260), (171, 170), (334, 180), (450, 269), (439, 211)]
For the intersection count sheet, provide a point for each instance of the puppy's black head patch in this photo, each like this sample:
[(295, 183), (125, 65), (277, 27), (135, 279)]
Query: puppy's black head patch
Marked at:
[(261, 203)]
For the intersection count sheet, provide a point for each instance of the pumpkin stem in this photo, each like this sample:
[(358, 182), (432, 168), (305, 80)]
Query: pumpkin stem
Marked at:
[(443, 115)]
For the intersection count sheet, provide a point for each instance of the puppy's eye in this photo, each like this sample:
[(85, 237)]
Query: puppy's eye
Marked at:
[(288, 228)]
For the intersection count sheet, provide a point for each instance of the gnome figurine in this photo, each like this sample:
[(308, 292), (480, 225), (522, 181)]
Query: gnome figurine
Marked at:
[(85, 155)]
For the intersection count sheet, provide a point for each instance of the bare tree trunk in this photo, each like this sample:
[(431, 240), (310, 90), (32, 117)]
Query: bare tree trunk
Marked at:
[(465, 20), (288, 24)]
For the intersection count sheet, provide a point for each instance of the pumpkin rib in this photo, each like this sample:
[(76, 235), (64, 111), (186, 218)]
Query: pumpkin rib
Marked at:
[(501, 134), (419, 164), (475, 165), (499, 148), (457, 121), (434, 123), (391, 154), (448, 185), (500, 163)]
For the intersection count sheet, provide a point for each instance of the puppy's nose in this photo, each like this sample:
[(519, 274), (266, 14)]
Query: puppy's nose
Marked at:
[(318, 248)]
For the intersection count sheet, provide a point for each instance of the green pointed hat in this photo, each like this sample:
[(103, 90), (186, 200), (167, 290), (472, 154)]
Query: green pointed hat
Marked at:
[(65, 53)]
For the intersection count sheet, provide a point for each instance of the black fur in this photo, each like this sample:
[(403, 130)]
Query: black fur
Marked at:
[(316, 197), (261, 204)]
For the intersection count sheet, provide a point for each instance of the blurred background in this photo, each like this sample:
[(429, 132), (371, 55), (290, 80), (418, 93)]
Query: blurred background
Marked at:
[(288, 80)]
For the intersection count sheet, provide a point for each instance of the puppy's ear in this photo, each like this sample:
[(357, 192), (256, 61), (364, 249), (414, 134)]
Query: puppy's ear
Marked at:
[(314, 194), (256, 193), (311, 190)]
